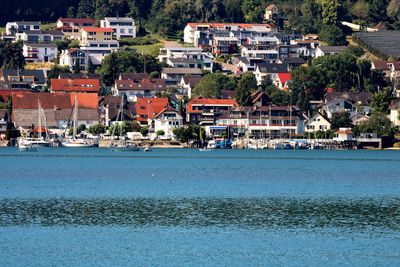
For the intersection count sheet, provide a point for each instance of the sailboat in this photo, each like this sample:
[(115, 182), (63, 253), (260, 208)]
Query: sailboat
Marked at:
[(118, 146), (76, 142), (39, 141)]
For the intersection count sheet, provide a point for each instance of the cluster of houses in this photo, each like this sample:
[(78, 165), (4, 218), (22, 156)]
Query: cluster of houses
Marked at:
[(234, 48)]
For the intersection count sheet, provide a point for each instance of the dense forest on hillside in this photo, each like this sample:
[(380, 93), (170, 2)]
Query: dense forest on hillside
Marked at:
[(168, 17)]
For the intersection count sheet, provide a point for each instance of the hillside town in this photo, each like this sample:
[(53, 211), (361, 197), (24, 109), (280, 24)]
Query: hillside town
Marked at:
[(222, 85)]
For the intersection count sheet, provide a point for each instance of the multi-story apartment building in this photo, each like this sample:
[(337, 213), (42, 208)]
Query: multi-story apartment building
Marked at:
[(123, 27)]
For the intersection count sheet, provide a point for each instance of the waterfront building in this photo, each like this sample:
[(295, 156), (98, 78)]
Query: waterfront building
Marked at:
[(204, 111), (354, 103), (133, 89), (109, 108), (167, 120), (317, 122), (395, 112), (148, 108)]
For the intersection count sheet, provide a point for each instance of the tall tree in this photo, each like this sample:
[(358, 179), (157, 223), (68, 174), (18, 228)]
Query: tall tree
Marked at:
[(245, 86), (331, 12), (86, 9), (252, 11)]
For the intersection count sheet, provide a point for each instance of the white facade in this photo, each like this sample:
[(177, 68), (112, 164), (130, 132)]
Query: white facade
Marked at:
[(123, 27), (98, 50), (167, 121), (204, 59), (39, 52), (19, 26), (317, 122), (74, 59), (271, 55), (40, 36)]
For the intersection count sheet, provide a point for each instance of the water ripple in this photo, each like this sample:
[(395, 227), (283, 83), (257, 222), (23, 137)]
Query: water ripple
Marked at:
[(368, 213)]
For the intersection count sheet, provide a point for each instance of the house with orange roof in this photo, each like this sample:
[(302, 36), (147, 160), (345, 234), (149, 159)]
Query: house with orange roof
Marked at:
[(57, 108), (282, 79), (75, 86), (203, 111), (148, 108)]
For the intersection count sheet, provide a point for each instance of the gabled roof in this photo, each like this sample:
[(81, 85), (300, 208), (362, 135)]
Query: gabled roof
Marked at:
[(272, 67), (38, 74), (284, 77), (97, 29), (192, 80), (77, 20), (294, 60), (363, 97), (149, 107), (168, 108), (183, 71), (145, 84), (270, 7), (49, 45), (75, 85), (133, 76), (54, 100), (381, 65)]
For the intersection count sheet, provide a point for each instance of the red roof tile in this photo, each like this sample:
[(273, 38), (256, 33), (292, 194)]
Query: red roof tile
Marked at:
[(284, 77), (149, 107), (209, 102), (54, 100), (75, 85), (97, 29)]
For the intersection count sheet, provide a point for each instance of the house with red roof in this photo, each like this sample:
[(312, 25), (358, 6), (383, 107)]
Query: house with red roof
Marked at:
[(144, 88), (282, 79), (57, 108), (203, 111), (148, 108), (71, 26), (75, 86)]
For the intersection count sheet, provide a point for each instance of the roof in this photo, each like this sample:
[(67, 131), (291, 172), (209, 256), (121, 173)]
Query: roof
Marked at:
[(51, 45), (168, 108), (270, 7), (38, 74), (4, 113), (125, 19), (381, 65), (294, 60), (133, 76), (145, 84), (241, 25), (193, 71), (395, 104), (272, 67), (284, 77), (77, 20), (332, 49), (183, 60), (113, 104), (79, 76), (54, 100), (49, 32), (342, 131), (97, 29), (75, 85), (209, 102), (363, 97), (27, 22), (192, 80), (149, 107)]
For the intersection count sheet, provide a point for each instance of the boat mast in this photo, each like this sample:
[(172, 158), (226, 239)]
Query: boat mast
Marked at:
[(39, 120), (75, 118)]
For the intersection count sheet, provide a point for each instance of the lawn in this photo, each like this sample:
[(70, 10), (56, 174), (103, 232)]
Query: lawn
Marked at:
[(152, 49)]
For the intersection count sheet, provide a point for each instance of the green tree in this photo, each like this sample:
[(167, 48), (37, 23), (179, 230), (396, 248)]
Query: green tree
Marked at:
[(311, 17), (340, 119), (160, 132), (56, 70), (208, 87), (11, 56), (380, 102), (331, 12), (144, 131), (85, 9), (333, 35), (252, 11), (97, 129), (183, 134), (377, 11), (378, 123), (71, 12), (246, 85)]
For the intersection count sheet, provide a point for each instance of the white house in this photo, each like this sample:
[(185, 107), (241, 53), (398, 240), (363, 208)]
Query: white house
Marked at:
[(174, 75), (39, 52), (344, 134), (40, 36), (181, 56), (76, 59), (394, 113), (270, 55), (269, 69), (20, 26), (167, 120), (187, 84), (317, 122), (71, 26), (97, 50), (123, 27), (354, 103)]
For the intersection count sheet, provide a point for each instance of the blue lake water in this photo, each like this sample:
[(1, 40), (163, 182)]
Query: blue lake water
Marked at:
[(177, 207)]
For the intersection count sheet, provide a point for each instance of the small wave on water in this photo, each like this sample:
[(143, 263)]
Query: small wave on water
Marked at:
[(364, 213)]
